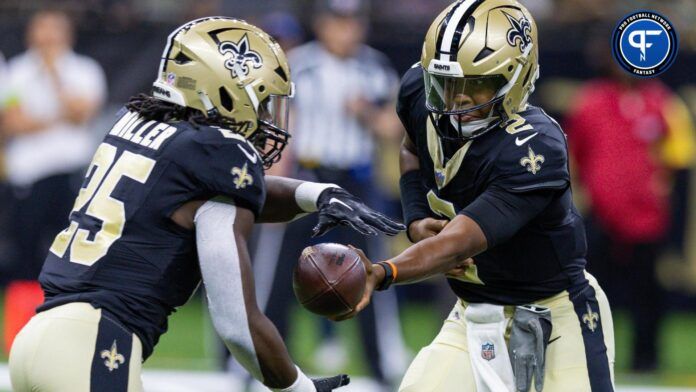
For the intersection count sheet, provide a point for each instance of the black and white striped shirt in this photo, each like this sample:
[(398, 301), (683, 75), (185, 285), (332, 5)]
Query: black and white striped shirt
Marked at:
[(324, 131)]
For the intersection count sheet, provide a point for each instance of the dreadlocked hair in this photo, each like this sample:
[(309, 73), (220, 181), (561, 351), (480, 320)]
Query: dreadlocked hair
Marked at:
[(155, 109), (268, 139)]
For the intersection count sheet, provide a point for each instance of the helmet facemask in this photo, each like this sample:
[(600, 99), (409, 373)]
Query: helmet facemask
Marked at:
[(272, 134), (457, 97)]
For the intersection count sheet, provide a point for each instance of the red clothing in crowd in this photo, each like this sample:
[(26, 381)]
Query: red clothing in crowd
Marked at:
[(614, 133)]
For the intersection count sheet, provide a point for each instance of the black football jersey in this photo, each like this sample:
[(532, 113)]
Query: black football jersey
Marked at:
[(120, 250), (527, 154)]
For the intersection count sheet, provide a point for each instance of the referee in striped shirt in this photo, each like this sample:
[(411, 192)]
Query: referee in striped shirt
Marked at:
[(344, 105)]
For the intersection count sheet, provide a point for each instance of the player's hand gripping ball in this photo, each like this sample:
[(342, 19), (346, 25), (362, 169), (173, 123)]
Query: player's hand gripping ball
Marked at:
[(329, 279)]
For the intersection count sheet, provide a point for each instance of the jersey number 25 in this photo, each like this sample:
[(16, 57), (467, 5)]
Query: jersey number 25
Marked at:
[(106, 171)]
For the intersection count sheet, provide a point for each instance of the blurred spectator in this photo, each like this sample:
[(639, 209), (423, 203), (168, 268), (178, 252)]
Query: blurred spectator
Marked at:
[(52, 93), (285, 28), (345, 92), (3, 89), (3, 71), (627, 135), (4, 190)]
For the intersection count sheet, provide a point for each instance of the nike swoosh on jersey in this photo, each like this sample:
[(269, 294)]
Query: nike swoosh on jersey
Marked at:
[(335, 200), (519, 142), (252, 157)]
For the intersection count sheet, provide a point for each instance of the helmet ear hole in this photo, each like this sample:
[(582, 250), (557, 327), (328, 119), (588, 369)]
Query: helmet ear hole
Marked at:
[(262, 88), (181, 58), (485, 52), (526, 77), (225, 99)]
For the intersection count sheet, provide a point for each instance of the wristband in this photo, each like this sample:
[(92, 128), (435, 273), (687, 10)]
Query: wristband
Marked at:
[(301, 384), (414, 200), (307, 194), (390, 273)]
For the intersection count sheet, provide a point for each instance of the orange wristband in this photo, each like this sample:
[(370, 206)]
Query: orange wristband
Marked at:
[(396, 271), (389, 275)]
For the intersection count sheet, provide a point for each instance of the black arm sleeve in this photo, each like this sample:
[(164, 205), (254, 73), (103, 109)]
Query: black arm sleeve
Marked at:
[(501, 213), (413, 197)]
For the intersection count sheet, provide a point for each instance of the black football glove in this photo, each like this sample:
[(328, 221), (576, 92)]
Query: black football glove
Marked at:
[(338, 207), (328, 384)]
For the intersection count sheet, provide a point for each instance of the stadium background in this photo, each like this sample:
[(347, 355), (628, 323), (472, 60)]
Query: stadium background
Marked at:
[(126, 38)]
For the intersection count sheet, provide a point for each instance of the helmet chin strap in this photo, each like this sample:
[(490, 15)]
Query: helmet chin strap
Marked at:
[(210, 110), (469, 129)]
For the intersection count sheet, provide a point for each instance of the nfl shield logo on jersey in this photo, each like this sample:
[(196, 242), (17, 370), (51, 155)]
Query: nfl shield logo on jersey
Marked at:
[(487, 351), (439, 178)]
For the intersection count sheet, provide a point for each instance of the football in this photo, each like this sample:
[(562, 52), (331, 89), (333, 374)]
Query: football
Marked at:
[(329, 279)]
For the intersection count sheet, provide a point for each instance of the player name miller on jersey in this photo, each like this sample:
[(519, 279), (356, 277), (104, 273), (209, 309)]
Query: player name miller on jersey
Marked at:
[(135, 129)]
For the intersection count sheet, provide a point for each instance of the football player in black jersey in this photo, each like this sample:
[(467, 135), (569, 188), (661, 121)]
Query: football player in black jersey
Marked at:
[(486, 194), (169, 199)]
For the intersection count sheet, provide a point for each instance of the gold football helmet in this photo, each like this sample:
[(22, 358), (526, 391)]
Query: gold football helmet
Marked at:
[(231, 70), (480, 44)]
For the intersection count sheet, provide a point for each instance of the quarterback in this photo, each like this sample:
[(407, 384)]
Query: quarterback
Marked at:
[(486, 193), (169, 200)]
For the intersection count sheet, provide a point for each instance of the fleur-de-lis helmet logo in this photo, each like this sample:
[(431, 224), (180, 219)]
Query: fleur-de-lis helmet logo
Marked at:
[(241, 56), (520, 33)]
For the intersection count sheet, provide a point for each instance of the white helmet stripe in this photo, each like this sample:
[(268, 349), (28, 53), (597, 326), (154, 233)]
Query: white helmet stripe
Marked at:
[(452, 28), (252, 96), (170, 39)]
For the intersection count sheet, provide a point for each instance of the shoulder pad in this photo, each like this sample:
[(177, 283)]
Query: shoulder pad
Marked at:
[(533, 156), (411, 86), (220, 136), (408, 103), (223, 163), (411, 81)]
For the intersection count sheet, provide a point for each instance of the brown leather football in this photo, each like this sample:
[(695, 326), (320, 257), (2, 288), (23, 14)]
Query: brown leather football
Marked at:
[(329, 279)]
